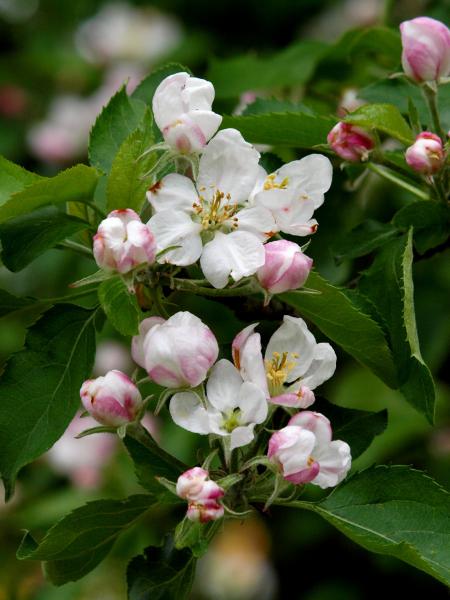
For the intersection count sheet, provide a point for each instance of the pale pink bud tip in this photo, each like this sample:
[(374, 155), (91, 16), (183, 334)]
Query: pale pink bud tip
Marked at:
[(350, 142), (112, 400), (202, 495), (123, 242), (285, 268), (426, 155), (426, 49)]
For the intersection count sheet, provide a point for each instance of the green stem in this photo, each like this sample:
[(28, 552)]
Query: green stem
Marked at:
[(66, 298), (159, 303), (185, 285), (403, 184), (431, 96), (76, 247)]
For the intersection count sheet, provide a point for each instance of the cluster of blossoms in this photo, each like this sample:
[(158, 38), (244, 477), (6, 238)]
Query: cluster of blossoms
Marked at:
[(426, 62)]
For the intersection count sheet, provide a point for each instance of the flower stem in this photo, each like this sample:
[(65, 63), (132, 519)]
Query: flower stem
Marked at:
[(185, 285), (386, 174), (76, 247), (431, 96)]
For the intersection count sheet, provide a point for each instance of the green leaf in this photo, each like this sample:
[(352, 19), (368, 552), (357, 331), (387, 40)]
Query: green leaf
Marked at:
[(388, 283), (39, 390), (363, 239), (151, 461), (385, 118), (126, 186), (431, 222), (273, 105), (396, 511), (120, 117), (120, 306), (161, 574), (80, 541), (146, 89), (300, 130), (14, 178), (292, 66), (374, 40), (344, 323), (73, 185), (10, 304), (28, 236), (356, 427)]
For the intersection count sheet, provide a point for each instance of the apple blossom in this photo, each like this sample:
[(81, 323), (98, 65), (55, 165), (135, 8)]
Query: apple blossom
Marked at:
[(350, 142), (209, 510), (194, 485), (293, 366), (305, 453), (182, 110), (123, 242), (285, 267), (176, 353), (231, 410), (112, 400), (426, 155), (426, 49), (293, 193), (212, 219)]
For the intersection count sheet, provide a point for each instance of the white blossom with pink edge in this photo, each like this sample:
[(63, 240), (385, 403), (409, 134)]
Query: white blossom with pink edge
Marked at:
[(182, 110), (113, 400), (231, 409), (123, 242), (285, 267), (294, 192), (426, 155), (202, 494), (175, 353), (426, 49), (294, 363), (212, 220), (305, 452)]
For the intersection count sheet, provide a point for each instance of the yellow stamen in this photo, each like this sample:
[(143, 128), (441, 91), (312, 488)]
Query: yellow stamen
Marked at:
[(270, 183), (277, 370)]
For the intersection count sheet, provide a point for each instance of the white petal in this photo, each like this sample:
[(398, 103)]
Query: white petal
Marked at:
[(317, 423), (253, 403), (335, 462), (294, 337), (252, 363), (208, 121), (241, 436), (228, 164), (257, 220), (311, 176), (259, 184), (223, 386), (297, 220), (238, 254), (295, 457), (187, 411), (173, 192), (322, 367), (167, 101), (176, 228)]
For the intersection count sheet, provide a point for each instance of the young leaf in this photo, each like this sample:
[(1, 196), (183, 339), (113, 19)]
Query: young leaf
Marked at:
[(363, 239), (146, 89), (300, 130), (161, 574), (388, 283), (39, 390), (120, 306), (151, 461), (356, 427), (396, 511), (126, 186), (120, 117), (431, 222), (73, 185), (14, 178), (385, 118), (26, 237), (339, 319), (80, 541)]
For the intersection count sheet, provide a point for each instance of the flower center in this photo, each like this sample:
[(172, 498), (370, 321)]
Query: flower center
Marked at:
[(277, 370), (310, 461), (271, 184), (232, 420), (213, 215)]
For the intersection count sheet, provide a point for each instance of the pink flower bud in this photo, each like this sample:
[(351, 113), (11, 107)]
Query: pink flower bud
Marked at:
[(112, 400), (285, 268), (205, 511), (123, 242), (426, 49), (350, 142), (176, 353), (305, 453), (202, 494), (426, 155)]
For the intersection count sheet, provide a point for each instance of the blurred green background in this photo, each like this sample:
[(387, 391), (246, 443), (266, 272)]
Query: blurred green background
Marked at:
[(60, 62)]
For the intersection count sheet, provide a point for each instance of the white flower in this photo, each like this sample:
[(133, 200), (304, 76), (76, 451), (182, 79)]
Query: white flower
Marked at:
[(293, 366), (293, 193), (305, 453), (214, 212), (182, 110), (232, 409)]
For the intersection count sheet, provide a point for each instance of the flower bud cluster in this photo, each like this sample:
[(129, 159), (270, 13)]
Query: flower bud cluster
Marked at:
[(202, 494)]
